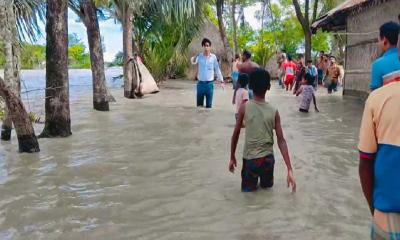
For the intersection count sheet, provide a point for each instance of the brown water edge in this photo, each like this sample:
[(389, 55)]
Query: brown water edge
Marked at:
[(156, 168)]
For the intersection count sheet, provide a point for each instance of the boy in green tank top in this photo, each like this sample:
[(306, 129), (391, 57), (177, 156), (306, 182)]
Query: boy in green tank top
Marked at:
[(261, 121)]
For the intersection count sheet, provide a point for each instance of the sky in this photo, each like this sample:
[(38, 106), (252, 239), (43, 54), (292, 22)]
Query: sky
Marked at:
[(112, 31)]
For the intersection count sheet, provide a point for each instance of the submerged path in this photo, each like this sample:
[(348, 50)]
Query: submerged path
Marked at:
[(156, 168)]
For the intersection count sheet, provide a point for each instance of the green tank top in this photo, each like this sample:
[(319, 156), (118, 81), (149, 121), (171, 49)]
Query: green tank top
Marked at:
[(259, 130)]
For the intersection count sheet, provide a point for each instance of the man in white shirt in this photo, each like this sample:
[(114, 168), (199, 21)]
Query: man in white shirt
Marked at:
[(208, 67)]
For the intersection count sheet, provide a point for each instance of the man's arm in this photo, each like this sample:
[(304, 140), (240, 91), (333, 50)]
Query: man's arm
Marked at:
[(367, 146), (284, 150), (315, 103), (376, 77), (235, 137), (218, 70), (366, 172), (194, 59)]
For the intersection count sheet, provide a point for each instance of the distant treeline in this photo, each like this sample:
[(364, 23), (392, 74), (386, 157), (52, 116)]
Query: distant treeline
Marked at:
[(33, 56)]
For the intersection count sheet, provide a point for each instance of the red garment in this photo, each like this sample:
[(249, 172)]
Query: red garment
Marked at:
[(290, 69)]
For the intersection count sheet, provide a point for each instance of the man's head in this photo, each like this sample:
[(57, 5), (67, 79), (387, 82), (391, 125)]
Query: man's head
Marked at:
[(260, 82), (243, 80), (332, 59), (301, 59), (309, 63), (388, 36), (289, 58), (246, 55), (308, 79), (237, 56), (206, 44), (321, 54)]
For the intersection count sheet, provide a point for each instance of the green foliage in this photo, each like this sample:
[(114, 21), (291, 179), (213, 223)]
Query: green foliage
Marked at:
[(77, 56), (320, 42), (163, 43), (118, 60), (2, 56), (32, 56), (289, 35)]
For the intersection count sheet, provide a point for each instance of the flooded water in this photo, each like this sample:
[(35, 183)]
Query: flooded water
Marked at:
[(33, 85), (156, 168)]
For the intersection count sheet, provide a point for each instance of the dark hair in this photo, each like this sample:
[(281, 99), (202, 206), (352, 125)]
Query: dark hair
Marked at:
[(247, 54), (243, 80), (398, 17), (259, 81), (204, 41), (322, 52), (301, 55), (309, 78), (309, 61), (390, 31), (289, 58), (237, 56)]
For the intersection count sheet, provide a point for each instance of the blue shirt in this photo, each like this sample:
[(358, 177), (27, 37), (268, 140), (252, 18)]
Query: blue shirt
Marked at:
[(312, 70), (208, 67), (382, 66)]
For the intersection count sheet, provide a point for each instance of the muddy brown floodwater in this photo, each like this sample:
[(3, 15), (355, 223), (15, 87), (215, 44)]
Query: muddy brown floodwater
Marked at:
[(156, 168)]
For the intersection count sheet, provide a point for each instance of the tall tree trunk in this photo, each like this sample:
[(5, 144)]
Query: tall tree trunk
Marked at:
[(27, 140), (234, 26), (9, 89), (307, 44), (58, 120), (100, 95), (12, 66), (220, 7), (130, 83), (305, 24)]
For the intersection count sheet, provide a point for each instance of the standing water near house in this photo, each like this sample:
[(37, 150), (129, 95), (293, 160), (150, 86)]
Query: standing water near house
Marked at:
[(146, 170)]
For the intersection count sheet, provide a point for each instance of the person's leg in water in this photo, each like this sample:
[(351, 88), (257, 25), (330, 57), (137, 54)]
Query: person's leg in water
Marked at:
[(267, 172), (291, 85), (200, 94), (209, 94), (331, 87), (253, 169)]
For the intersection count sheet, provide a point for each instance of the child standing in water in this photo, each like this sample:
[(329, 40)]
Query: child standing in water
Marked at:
[(307, 93), (261, 121), (242, 94)]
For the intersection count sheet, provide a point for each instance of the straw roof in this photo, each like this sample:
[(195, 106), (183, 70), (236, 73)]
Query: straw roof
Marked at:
[(335, 19)]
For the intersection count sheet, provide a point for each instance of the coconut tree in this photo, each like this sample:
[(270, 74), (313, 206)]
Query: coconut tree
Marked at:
[(220, 9), (126, 10), (57, 119), (13, 14), (87, 12)]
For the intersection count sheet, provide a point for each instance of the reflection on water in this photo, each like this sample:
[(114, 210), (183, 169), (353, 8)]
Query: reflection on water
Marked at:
[(156, 168)]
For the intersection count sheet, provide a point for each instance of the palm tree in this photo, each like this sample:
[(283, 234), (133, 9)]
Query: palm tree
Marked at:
[(87, 12), (57, 119), (12, 15), (220, 9), (126, 10)]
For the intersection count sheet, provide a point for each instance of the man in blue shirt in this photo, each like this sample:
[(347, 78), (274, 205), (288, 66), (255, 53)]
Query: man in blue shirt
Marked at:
[(313, 71), (208, 67), (389, 62)]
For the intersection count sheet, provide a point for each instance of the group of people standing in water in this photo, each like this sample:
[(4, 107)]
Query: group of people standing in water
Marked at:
[(379, 141)]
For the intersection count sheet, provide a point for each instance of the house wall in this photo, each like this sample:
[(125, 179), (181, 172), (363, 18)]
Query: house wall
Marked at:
[(361, 49)]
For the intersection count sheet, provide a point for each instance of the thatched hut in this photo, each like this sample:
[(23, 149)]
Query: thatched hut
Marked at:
[(210, 31), (360, 20)]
